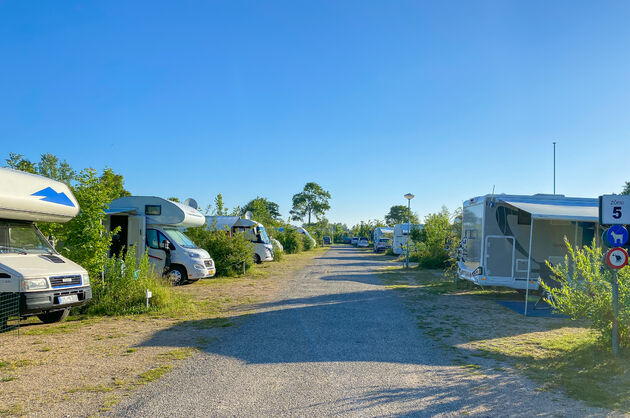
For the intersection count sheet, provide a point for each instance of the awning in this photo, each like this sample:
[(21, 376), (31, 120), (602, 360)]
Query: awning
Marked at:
[(115, 211), (567, 211)]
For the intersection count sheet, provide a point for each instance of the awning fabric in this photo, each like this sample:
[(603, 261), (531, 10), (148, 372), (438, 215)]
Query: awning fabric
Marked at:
[(121, 210), (560, 210)]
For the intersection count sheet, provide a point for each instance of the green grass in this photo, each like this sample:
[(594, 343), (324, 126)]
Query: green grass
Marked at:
[(153, 374), (177, 354), (565, 357)]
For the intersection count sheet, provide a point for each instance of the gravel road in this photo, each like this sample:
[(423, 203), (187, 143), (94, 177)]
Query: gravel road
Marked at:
[(336, 342)]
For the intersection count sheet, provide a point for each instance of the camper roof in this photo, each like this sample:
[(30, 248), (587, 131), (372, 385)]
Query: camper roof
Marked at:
[(221, 222), (158, 211), (29, 197), (552, 207)]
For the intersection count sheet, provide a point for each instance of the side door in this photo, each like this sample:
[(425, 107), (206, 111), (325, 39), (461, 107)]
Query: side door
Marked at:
[(136, 235), (500, 256), (157, 256)]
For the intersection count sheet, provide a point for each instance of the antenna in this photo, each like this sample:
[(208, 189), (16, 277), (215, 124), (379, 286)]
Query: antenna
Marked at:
[(492, 190), (191, 202), (248, 215)]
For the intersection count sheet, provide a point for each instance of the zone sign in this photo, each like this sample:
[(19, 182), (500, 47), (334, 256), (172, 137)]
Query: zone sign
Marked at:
[(614, 209)]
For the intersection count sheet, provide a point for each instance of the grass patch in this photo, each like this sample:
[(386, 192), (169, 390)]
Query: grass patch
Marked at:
[(153, 374), (91, 389), (177, 354)]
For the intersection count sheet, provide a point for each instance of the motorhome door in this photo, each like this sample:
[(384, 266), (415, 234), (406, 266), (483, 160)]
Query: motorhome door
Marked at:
[(157, 256), (500, 256), (136, 235)]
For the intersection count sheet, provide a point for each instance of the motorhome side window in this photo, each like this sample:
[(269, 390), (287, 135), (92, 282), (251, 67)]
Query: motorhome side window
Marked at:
[(154, 210), (154, 237)]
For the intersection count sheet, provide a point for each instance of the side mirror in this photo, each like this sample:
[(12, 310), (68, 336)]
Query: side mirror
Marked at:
[(166, 245)]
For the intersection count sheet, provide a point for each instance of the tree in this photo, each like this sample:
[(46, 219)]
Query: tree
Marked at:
[(219, 210), (17, 162), (312, 201), (626, 188), (398, 215), (263, 211), (113, 184), (50, 166)]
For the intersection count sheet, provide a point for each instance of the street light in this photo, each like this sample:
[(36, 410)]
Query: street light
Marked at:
[(408, 196)]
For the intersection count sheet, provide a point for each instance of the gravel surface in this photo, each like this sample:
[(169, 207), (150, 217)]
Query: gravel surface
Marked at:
[(336, 342)]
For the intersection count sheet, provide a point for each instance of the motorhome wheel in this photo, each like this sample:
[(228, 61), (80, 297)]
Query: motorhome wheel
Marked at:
[(55, 316), (257, 259), (177, 275)]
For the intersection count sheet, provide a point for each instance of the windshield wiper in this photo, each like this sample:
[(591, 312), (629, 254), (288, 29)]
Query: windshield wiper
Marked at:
[(13, 250)]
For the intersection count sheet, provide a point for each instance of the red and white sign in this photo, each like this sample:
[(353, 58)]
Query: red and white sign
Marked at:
[(616, 258)]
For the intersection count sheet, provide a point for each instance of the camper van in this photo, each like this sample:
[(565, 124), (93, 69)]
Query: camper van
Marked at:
[(254, 231), (302, 231), (382, 232), (154, 225), (506, 239), (401, 237), (48, 284)]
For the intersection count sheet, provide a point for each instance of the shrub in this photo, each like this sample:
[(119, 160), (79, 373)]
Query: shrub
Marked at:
[(278, 254), (307, 243), (585, 291), (122, 289), (291, 240), (228, 252)]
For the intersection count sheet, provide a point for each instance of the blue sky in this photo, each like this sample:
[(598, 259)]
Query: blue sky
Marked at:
[(371, 99)]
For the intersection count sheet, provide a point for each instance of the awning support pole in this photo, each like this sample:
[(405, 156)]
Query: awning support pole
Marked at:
[(529, 263)]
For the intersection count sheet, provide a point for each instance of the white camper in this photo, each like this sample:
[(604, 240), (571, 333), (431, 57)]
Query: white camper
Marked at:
[(506, 239), (302, 231), (381, 232), (254, 231), (48, 284), (401, 237), (154, 224)]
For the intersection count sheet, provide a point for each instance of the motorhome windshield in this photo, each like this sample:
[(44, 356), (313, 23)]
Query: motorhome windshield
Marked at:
[(22, 238), (179, 238), (263, 235)]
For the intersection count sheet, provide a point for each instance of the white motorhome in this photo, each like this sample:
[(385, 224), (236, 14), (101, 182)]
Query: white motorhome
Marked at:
[(401, 237), (153, 224), (381, 232), (506, 239), (254, 231), (48, 284)]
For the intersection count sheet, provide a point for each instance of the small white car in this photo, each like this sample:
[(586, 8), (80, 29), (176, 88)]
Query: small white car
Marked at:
[(363, 242)]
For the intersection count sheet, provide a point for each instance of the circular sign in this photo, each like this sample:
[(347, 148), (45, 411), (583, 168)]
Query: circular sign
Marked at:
[(616, 258), (616, 236)]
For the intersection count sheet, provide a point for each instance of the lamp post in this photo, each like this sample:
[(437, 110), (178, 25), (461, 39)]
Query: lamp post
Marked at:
[(554, 167), (408, 196)]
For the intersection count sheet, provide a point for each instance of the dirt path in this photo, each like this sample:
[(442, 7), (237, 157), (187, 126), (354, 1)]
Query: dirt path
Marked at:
[(336, 342)]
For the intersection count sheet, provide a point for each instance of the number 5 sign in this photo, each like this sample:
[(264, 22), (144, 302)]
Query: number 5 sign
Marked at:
[(614, 209)]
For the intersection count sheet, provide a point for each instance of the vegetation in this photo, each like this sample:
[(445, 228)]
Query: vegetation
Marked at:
[(584, 292), (434, 242), (264, 211), (291, 240), (307, 242), (232, 255), (122, 289), (399, 214), (626, 188), (312, 201)]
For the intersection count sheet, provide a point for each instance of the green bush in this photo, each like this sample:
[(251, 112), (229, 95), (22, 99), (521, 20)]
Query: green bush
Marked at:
[(585, 291), (228, 252), (307, 243), (122, 289), (278, 254), (291, 240)]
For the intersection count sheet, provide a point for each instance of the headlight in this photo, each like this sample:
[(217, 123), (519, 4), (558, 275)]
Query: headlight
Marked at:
[(34, 284), (194, 255), (86, 280)]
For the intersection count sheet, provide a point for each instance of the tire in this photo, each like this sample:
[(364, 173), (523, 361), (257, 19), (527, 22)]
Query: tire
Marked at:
[(54, 316), (177, 275), (257, 259)]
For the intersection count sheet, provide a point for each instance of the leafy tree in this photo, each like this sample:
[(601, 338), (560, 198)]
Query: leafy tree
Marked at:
[(432, 239), (311, 201), (230, 253), (220, 209), (263, 211), (398, 215), (17, 162), (626, 188), (113, 184), (50, 166)]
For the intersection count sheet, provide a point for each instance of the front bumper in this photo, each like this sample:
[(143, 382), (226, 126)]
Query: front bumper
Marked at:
[(39, 302)]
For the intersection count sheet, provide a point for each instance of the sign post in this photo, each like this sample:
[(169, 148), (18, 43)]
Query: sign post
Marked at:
[(615, 258), (614, 209)]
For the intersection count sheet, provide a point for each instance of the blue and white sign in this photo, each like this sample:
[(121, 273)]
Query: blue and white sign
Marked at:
[(616, 236), (614, 209)]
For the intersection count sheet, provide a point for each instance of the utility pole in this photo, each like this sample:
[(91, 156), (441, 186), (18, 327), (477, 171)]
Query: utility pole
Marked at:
[(554, 167)]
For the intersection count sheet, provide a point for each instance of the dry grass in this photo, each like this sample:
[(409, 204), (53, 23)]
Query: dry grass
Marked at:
[(557, 354), (87, 365)]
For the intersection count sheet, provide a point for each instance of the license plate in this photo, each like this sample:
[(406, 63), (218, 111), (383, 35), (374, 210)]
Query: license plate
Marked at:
[(68, 299)]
